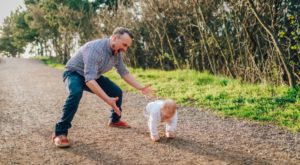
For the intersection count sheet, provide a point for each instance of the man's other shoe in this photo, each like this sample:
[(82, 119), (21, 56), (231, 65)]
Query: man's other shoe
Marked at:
[(120, 124)]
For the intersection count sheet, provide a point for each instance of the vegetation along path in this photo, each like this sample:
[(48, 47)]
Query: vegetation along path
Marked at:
[(31, 98)]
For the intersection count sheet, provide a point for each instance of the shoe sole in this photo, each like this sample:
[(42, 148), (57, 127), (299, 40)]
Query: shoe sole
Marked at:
[(62, 146), (119, 126)]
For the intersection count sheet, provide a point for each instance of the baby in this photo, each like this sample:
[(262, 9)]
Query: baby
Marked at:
[(161, 111)]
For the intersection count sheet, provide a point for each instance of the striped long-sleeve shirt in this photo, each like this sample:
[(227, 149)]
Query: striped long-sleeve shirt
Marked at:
[(94, 59)]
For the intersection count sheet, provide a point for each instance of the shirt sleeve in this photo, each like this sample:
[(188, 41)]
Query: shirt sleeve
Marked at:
[(120, 66), (152, 123), (91, 60), (152, 118), (171, 126)]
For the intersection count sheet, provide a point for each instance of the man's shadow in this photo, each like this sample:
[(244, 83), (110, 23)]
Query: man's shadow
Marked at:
[(89, 151), (93, 153)]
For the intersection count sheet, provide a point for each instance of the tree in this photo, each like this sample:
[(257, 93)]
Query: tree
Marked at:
[(13, 36)]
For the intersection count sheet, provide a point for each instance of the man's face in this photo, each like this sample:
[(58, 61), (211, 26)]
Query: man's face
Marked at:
[(121, 43)]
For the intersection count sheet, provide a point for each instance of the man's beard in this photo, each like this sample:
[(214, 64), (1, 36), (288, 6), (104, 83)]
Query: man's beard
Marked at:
[(117, 51)]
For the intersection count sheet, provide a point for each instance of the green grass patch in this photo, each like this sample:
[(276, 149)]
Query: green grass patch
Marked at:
[(51, 61), (263, 102)]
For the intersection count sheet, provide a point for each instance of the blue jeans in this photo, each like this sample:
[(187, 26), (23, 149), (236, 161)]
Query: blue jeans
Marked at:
[(75, 85)]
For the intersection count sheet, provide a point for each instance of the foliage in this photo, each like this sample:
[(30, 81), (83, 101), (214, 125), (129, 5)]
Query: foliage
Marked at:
[(51, 61), (255, 41), (15, 34)]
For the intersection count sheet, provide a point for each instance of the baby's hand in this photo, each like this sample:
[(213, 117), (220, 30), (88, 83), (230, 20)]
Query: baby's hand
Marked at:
[(155, 138), (170, 135)]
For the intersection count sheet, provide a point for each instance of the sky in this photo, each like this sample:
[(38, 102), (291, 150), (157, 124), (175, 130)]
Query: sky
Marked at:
[(7, 6)]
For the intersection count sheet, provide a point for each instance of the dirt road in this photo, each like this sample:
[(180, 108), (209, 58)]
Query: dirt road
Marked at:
[(31, 98)]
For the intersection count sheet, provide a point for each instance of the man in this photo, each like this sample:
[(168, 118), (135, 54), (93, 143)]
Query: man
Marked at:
[(84, 72)]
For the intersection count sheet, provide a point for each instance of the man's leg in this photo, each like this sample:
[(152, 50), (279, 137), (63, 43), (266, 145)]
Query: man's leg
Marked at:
[(112, 90), (74, 84)]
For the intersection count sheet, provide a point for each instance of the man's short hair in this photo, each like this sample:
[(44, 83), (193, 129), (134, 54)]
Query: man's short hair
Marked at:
[(122, 30)]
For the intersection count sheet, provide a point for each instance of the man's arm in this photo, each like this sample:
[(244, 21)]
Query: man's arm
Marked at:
[(146, 90), (95, 88)]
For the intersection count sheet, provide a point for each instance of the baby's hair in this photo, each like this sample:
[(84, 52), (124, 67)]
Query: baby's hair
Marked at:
[(169, 105)]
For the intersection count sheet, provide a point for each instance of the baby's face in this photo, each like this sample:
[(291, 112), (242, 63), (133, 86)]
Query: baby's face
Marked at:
[(167, 113)]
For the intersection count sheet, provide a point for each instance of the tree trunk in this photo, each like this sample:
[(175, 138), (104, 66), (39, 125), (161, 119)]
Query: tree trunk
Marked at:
[(287, 68)]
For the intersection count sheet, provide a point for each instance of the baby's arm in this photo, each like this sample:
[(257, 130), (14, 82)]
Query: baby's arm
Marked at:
[(152, 123), (171, 127)]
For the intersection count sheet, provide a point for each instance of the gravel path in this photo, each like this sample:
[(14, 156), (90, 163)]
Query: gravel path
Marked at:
[(31, 97)]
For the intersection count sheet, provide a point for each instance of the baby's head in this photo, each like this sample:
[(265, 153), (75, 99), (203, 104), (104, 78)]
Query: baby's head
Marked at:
[(168, 110)]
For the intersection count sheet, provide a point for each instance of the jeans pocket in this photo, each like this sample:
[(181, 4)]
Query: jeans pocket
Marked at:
[(66, 74)]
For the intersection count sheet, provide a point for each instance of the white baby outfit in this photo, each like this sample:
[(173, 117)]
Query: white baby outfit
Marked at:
[(152, 112)]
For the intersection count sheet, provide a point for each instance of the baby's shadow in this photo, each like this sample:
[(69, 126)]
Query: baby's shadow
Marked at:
[(213, 151)]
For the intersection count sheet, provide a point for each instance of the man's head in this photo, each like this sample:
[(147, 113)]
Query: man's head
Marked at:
[(121, 39), (168, 110)]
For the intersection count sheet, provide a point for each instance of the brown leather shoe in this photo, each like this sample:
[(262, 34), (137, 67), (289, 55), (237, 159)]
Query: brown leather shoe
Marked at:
[(120, 124), (60, 141)]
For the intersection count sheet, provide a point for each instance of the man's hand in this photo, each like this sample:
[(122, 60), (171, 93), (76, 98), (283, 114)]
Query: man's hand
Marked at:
[(112, 102), (95, 88), (148, 91)]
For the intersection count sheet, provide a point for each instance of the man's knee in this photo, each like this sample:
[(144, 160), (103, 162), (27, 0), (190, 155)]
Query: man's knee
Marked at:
[(76, 94)]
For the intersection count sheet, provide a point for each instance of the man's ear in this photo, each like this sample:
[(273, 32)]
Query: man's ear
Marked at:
[(114, 37)]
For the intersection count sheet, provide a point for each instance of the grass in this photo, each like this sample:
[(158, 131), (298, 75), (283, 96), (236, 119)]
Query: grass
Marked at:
[(50, 61), (278, 105)]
